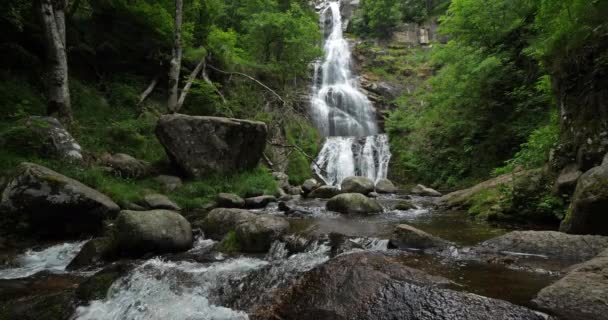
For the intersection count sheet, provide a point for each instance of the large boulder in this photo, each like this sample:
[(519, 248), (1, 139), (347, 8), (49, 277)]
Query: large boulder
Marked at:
[(407, 237), (220, 221), (156, 231), (361, 185), (56, 139), (385, 186), (124, 165), (53, 204), (582, 294), (588, 212), (425, 191), (374, 286), (353, 203), (324, 192), (202, 146)]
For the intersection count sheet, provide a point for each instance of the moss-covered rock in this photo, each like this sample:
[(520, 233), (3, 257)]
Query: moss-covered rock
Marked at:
[(361, 185), (588, 212), (353, 203), (97, 286)]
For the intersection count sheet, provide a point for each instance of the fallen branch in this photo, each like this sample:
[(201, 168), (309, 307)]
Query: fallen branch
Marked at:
[(250, 78), (268, 162)]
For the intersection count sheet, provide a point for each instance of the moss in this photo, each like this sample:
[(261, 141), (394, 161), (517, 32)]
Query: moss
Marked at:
[(230, 243), (302, 134)]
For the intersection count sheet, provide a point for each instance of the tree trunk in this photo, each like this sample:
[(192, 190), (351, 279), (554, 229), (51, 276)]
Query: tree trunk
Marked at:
[(53, 22), (176, 60)]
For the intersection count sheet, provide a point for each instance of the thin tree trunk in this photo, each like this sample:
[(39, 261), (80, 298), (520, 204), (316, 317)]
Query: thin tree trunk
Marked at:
[(144, 95), (206, 78), (250, 78), (189, 83), (53, 20), (176, 60)]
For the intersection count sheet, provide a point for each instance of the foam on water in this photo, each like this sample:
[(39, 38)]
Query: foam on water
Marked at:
[(53, 259)]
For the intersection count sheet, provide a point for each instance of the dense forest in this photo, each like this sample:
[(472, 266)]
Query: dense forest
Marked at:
[(292, 148)]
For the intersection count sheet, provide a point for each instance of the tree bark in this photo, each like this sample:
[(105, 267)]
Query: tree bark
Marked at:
[(176, 60), (189, 83), (53, 22), (148, 90)]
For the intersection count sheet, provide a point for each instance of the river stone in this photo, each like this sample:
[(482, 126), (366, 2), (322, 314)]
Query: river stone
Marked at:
[(354, 203), (169, 183), (282, 180), (96, 287), (373, 286), (567, 179), (404, 206), (256, 235), (361, 185), (229, 200), (407, 237), (126, 166), (324, 192), (259, 202), (582, 294), (385, 186), (552, 244), (53, 204), (202, 146), (425, 191), (160, 201), (588, 212), (220, 221), (309, 185), (57, 140), (157, 231), (93, 252)]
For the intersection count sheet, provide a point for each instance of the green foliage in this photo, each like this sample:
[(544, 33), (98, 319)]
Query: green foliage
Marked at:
[(230, 243), (377, 17), (306, 137)]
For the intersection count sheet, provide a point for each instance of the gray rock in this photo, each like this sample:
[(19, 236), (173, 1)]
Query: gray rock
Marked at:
[(353, 203), (294, 191), (385, 186), (375, 286), (588, 212), (156, 231), (404, 206), (581, 295), (54, 204), (259, 202), (373, 195), (58, 140), (324, 192), (93, 252), (309, 185), (407, 237), (256, 235), (124, 165), (229, 200), (567, 179), (169, 183), (426, 192), (361, 185), (135, 207), (201, 146), (220, 221), (160, 201), (282, 179)]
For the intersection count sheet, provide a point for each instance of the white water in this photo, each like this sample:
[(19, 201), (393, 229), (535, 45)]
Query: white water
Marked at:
[(53, 259), (344, 114)]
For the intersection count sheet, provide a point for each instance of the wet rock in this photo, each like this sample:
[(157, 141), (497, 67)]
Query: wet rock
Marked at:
[(282, 180), (581, 295), (124, 165), (309, 186), (53, 204), (56, 139), (257, 235), (361, 185), (588, 212), (160, 201), (385, 186), (324, 192), (373, 195), (407, 237), (294, 191), (373, 286), (200, 146), (220, 221), (567, 179), (404, 206), (134, 207), (551, 244), (353, 203), (92, 253), (426, 192), (169, 183), (229, 200), (97, 286), (157, 231), (259, 202)]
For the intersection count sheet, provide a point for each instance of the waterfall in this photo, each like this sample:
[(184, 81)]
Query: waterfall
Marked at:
[(342, 113)]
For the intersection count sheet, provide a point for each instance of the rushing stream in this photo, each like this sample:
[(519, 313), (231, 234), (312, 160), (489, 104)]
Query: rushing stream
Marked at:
[(342, 113)]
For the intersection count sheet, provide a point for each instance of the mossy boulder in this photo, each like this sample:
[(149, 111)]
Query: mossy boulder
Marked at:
[(385, 186), (588, 212), (124, 165), (407, 237), (54, 205), (229, 200), (353, 203), (93, 252), (220, 221), (404, 206), (259, 202), (324, 192), (155, 231), (361, 185)]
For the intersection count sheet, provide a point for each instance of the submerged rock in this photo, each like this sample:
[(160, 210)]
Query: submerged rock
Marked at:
[(582, 294), (53, 204), (160, 201), (354, 203), (229, 200), (588, 212), (385, 186), (407, 237), (156, 231), (361, 185), (374, 286), (425, 191), (201, 146)]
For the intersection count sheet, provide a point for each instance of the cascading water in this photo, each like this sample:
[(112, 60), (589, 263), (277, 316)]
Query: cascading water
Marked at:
[(344, 114)]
